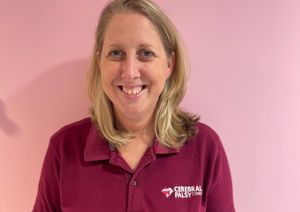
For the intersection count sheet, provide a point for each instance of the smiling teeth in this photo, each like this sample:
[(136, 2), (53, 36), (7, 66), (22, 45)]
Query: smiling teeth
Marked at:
[(132, 91)]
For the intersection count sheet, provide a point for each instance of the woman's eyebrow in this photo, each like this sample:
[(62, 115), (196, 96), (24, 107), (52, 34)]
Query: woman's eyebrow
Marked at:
[(142, 45), (146, 45), (114, 46)]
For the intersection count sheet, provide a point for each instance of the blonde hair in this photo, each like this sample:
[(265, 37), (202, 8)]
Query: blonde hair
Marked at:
[(173, 126)]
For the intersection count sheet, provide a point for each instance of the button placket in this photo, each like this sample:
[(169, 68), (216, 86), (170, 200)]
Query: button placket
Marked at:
[(135, 197), (131, 195)]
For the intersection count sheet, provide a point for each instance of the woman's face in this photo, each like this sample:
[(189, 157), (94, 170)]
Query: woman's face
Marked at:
[(134, 65)]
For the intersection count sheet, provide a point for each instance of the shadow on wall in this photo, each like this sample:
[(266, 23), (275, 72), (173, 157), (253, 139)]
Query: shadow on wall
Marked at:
[(6, 125), (34, 112), (52, 99)]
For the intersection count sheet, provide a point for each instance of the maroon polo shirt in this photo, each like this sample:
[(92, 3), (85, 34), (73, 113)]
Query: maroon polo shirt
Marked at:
[(83, 173)]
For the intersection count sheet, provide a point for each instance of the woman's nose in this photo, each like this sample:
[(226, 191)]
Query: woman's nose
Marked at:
[(130, 68)]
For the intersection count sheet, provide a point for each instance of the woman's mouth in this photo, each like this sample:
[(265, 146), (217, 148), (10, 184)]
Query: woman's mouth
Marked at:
[(132, 90)]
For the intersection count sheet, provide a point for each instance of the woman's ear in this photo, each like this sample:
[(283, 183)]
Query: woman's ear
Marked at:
[(171, 63), (98, 58)]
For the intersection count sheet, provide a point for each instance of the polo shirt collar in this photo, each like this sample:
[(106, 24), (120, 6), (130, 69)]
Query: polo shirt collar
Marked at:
[(97, 147), (160, 149)]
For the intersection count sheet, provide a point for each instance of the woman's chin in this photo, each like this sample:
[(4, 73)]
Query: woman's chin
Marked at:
[(134, 112)]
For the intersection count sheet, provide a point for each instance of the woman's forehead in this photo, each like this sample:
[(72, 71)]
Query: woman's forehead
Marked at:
[(131, 28)]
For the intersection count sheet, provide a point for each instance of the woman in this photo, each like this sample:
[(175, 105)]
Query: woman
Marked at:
[(139, 151)]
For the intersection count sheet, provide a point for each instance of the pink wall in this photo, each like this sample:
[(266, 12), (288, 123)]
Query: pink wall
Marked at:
[(245, 83)]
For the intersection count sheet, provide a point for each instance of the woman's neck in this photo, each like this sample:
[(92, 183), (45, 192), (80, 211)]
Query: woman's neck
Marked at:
[(140, 127)]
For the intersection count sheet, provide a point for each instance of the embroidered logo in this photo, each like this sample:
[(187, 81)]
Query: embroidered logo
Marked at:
[(183, 191), (167, 191)]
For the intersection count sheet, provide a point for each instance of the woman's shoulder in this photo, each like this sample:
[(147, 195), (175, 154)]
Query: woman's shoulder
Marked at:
[(75, 129), (207, 137), (206, 130)]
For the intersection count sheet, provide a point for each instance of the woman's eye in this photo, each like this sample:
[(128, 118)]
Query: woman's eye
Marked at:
[(115, 54), (146, 54)]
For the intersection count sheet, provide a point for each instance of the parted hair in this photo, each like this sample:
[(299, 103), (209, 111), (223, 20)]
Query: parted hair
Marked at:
[(173, 126)]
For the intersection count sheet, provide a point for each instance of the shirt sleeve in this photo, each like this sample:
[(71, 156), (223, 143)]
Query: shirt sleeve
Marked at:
[(48, 198), (220, 194)]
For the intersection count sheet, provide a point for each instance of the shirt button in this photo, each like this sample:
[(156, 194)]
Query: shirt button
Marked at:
[(133, 183)]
